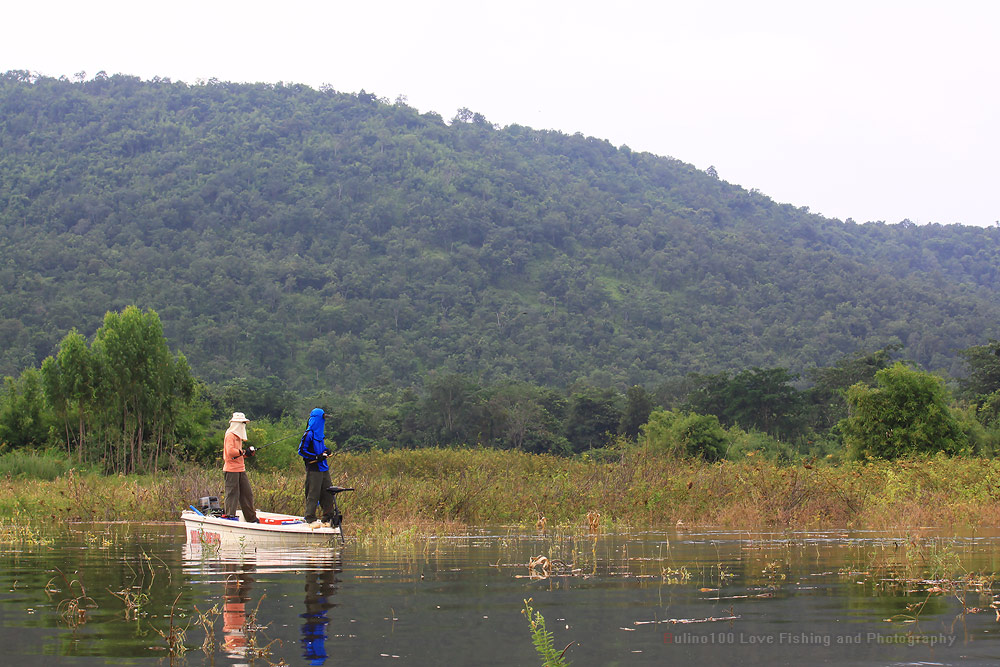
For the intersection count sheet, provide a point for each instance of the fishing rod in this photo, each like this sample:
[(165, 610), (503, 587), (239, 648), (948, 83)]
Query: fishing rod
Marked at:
[(328, 453), (253, 450)]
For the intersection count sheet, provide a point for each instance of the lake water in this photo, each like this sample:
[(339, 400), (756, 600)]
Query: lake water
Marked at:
[(95, 594)]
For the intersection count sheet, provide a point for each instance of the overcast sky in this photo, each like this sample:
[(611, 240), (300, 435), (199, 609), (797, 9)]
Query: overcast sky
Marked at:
[(871, 110)]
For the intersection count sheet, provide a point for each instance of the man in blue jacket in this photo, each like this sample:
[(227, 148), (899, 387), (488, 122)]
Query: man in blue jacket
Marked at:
[(314, 452)]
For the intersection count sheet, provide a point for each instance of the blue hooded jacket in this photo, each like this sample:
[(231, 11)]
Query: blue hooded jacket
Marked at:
[(312, 446)]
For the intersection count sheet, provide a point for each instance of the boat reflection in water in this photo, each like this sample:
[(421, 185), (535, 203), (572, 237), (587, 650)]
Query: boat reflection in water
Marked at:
[(239, 572)]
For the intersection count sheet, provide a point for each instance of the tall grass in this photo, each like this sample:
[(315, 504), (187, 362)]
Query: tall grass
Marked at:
[(47, 464), (434, 488)]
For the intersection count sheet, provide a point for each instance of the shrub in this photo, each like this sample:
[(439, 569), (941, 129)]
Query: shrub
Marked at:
[(685, 434), (754, 443)]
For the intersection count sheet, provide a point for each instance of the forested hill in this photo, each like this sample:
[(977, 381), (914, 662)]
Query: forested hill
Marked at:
[(342, 241)]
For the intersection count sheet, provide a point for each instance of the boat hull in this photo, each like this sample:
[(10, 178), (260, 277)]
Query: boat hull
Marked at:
[(274, 530)]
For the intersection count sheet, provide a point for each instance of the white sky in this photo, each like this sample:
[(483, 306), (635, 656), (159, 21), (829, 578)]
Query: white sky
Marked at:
[(870, 109)]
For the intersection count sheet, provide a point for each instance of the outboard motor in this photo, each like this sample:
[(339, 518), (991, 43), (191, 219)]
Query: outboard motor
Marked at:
[(336, 518), (209, 506)]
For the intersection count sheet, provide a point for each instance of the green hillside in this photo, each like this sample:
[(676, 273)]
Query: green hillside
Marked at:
[(342, 242)]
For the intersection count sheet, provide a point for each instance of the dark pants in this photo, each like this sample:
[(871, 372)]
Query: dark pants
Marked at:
[(317, 483), (239, 495)]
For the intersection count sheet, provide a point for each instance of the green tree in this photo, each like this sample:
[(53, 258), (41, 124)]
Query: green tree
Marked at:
[(684, 434), (257, 397), (520, 418), (907, 413), (142, 387), (70, 380), (638, 406), (24, 415), (756, 398), (452, 409), (828, 395), (982, 364), (592, 418)]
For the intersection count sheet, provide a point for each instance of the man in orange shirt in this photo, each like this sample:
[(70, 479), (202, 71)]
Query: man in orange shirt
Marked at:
[(238, 493)]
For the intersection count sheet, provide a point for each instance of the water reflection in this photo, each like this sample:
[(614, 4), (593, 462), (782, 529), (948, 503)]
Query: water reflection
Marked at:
[(241, 571), (705, 597), (234, 617), (320, 586)]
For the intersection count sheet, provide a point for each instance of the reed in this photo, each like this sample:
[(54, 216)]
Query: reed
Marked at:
[(444, 489)]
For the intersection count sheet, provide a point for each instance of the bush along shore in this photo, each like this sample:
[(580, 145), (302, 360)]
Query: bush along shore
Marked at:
[(445, 489)]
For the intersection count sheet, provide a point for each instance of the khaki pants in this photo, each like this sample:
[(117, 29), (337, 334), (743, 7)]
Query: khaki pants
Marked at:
[(239, 495)]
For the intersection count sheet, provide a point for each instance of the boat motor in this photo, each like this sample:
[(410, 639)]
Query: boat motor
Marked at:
[(209, 506)]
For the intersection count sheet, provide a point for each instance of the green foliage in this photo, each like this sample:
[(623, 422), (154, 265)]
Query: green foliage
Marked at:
[(542, 638), (592, 419), (24, 421), (750, 444), (906, 414), (638, 406), (528, 418), (756, 398), (46, 464), (336, 242), (280, 442), (256, 397), (982, 363), (685, 434), (127, 389), (828, 395)]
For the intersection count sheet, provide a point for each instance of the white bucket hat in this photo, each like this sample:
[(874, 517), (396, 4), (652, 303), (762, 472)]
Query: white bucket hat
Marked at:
[(238, 417)]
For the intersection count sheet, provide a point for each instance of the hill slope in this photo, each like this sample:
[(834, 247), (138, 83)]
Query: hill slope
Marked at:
[(339, 241)]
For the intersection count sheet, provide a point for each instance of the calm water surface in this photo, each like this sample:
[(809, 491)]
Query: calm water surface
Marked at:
[(139, 595)]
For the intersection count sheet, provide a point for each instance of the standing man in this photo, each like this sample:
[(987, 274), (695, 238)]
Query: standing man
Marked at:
[(238, 493), (314, 453)]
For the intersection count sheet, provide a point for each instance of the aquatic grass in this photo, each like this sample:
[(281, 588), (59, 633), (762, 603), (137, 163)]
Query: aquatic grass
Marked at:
[(432, 487), (74, 603), (137, 595), (175, 634), (207, 619), (19, 529), (543, 638)]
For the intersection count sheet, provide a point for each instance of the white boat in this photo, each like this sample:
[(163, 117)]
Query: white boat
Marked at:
[(273, 530), (207, 526)]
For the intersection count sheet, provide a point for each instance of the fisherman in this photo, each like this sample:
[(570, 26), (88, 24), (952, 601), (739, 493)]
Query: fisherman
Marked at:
[(314, 453), (238, 493)]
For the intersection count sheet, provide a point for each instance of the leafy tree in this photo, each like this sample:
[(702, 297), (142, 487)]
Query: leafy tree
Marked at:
[(521, 418), (756, 398), (982, 364), (638, 406), (592, 419), (256, 397), (452, 410), (685, 434), (70, 381), (131, 382), (24, 420), (906, 413), (828, 395)]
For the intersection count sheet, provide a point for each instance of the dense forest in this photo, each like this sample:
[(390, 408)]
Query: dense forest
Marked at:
[(339, 241), (311, 245)]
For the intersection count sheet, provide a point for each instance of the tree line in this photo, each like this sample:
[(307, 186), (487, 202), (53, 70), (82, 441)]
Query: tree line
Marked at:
[(121, 401)]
